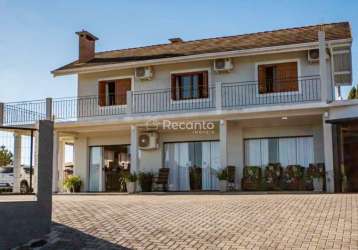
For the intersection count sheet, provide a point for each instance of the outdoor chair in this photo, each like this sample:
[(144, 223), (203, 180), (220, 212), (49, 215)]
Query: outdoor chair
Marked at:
[(231, 178), (162, 179)]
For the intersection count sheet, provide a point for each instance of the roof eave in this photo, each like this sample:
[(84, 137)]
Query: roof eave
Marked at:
[(205, 56)]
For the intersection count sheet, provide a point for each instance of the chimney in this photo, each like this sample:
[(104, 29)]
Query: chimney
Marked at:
[(87, 43), (175, 40)]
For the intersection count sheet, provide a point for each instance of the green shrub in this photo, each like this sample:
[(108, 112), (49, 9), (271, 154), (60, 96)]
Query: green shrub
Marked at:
[(252, 172), (131, 177), (73, 183), (353, 93), (6, 156), (222, 174)]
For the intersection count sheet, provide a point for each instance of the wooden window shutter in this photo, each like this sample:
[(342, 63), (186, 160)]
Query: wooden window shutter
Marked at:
[(122, 86), (174, 87), (286, 77), (204, 93), (102, 93), (262, 79)]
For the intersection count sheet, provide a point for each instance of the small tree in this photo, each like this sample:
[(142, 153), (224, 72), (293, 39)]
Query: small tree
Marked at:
[(5, 156), (353, 93)]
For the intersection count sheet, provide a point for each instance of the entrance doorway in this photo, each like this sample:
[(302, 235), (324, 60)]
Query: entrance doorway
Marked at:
[(193, 165), (350, 155), (108, 165), (347, 156)]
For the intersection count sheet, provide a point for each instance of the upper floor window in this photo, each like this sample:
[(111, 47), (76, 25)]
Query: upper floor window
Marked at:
[(191, 85), (278, 77), (113, 92)]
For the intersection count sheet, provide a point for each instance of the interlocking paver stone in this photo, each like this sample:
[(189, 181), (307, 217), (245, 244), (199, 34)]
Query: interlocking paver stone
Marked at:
[(280, 221)]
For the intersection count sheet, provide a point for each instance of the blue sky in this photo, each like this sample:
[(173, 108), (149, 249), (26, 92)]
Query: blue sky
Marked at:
[(38, 36)]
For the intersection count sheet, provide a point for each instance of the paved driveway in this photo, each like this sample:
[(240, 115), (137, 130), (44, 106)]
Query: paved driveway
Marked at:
[(328, 221)]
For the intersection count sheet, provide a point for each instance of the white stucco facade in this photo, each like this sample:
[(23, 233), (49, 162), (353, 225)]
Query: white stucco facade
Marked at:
[(233, 126)]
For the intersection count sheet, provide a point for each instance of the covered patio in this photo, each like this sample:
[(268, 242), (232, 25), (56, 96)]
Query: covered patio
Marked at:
[(259, 154)]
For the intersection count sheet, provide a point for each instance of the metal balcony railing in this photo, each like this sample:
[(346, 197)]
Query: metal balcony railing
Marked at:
[(151, 102), (74, 108), (154, 101), (24, 112), (271, 92)]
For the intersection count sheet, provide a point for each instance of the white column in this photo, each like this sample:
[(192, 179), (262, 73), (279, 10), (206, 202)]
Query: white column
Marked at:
[(17, 162), (55, 170), (218, 96), (60, 164), (81, 160), (328, 155), (325, 87), (134, 149), (35, 161), (129, 102), (240, 156), (235, 151), (223, 143)]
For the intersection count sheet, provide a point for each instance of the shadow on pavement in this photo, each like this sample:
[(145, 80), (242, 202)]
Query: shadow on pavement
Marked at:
[(64, 237)]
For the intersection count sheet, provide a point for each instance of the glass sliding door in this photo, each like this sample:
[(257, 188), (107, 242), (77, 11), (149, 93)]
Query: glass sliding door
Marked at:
[(177, 160), (107, 166), (192, 164), (210, 165), (284, 150), (96, 169)]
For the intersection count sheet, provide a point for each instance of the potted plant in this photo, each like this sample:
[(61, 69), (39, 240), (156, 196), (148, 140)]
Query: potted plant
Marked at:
[(145, 181), (222, 176), (72, 183), (294, 177), (273, 173), (252, 178), (131, 182)]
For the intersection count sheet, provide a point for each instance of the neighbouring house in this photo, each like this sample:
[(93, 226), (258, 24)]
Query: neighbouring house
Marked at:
[(245, 100)]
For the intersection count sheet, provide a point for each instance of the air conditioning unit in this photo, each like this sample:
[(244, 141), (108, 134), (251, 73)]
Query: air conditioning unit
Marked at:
[(148, 140), (223, 65), (313, 55), (144, 73)]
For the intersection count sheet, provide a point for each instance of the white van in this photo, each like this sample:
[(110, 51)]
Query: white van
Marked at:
[(7, 179)]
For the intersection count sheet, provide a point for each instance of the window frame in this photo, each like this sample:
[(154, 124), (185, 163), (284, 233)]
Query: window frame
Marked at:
[(114, 78), (277, 137), (299, 89), (110, 98), (190, 72)]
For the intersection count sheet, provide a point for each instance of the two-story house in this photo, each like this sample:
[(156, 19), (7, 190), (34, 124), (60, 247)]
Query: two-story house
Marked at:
[(245, 100)]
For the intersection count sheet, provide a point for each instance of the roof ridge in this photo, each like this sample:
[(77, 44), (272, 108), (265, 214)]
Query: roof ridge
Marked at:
[(224, 37)]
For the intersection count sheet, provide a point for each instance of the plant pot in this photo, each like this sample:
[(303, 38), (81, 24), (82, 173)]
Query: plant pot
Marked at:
[(131, 187), (317, 184), (223, 185)]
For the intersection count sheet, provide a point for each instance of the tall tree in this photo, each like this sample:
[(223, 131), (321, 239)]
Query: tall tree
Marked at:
[(5, 156), (353, 93)]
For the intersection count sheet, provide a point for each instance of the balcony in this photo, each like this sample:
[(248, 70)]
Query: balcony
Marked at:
[(221, 96)]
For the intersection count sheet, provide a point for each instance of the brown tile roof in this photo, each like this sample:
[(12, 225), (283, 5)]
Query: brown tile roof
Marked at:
[(334, 31)]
